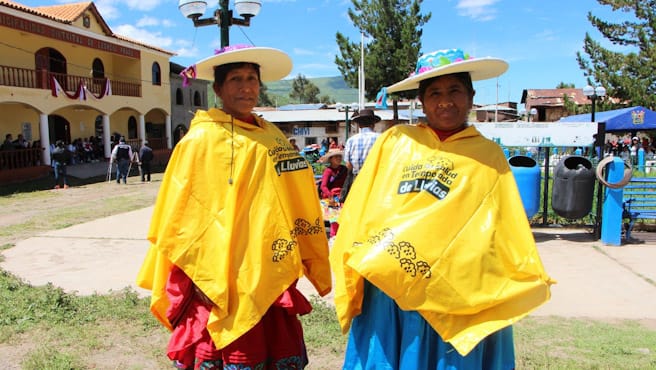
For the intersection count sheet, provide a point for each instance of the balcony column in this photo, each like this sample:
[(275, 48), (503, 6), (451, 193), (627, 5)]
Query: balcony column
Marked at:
[(169, 136), (142, 129), (44, 135), (107, 144)]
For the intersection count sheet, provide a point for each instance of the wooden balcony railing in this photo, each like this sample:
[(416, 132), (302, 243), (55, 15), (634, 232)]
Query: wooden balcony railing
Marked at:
[(41, 79), (20, 158)]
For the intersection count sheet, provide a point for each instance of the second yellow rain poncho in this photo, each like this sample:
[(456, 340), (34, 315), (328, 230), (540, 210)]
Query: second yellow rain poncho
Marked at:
[(220, 217), (440, 228)]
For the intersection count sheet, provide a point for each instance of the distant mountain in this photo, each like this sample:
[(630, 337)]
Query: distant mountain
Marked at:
[(334, 87)]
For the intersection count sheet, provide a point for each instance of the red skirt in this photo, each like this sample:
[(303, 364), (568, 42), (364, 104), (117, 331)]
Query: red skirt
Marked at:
[(275, 342)]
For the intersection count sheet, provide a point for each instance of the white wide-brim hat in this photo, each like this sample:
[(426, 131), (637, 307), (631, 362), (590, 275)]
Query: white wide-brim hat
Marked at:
[(444, 62), (331, 153), (274, 64)]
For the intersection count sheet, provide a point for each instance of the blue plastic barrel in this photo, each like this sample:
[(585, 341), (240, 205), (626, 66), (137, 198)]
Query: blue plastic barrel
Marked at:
[(527, 175)]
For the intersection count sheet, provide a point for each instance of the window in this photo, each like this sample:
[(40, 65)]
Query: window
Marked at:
[(179, 100), (98, 69), (197, 99), (157, 74), (132, 128)]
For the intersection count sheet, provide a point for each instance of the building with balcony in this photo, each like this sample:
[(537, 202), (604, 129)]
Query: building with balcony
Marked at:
[(65, 75), (185, 100)]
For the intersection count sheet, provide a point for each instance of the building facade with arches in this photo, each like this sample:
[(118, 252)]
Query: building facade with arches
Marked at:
[(64, 74)]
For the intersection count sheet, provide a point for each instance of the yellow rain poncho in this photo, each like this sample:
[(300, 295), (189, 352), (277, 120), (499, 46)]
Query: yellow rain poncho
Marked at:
[(440, 228), (237, 212)]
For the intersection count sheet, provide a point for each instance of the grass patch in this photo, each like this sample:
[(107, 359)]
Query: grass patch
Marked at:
[(558, 343)]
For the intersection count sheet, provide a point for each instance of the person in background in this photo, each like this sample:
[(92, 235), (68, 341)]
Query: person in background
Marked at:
[(8, 144), (333, 175), (332, 180), (634, 148), (20, 142), (435, 258), (122, 155), (60, 159), (358, 146), (145, 157), (292, 141), (234, 227), (324, 146)]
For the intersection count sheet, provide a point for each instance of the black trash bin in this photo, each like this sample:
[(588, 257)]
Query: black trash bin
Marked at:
[(527, 176), (573, 187)]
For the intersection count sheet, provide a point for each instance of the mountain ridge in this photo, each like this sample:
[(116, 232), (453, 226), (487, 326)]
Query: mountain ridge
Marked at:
[(334, 87)]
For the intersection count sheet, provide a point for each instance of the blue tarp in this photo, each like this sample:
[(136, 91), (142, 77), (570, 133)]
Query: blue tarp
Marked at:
[(625, 119)]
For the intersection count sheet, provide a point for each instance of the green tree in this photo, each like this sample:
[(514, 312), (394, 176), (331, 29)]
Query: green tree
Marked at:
[(326, 99), (304, 91), (394, 28), (265, 99), (628, 77), (564, 85)]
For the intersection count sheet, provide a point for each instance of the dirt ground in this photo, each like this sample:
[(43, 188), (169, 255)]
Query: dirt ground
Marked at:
[(24, 213)]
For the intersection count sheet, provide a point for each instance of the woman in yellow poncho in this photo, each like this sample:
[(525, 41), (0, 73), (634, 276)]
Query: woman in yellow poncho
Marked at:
[(434, 259), (235, 225)]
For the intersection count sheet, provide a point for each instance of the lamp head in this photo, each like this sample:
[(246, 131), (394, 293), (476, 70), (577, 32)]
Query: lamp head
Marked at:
[(248, 8), (588, 90), (192, 8), (600, 91)]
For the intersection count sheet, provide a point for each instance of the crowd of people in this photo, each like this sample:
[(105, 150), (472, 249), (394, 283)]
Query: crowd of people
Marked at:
[(83, 150), (628, 147)]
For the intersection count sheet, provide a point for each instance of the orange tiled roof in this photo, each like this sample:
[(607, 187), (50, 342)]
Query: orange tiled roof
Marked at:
[(67, 13)]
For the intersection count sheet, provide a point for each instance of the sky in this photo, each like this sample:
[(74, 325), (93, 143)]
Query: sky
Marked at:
[(538, 38)]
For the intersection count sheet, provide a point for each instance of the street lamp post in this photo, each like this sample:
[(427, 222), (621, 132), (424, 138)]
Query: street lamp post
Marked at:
[(354, 107), (194, 9), (594, 93)]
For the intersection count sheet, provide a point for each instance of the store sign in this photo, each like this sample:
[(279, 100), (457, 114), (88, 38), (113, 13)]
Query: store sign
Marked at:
[(309, 131), (525, 134)]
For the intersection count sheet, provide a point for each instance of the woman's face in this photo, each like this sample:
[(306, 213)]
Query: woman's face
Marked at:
[(336, 160), (240, 91), (446, 103)]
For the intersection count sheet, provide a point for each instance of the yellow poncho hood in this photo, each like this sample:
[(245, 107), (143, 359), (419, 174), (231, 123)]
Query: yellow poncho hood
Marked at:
[(236, 211), (440, 228)]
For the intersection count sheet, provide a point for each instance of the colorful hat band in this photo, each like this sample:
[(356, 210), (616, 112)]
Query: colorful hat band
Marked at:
[(190, 72), (440, 58)]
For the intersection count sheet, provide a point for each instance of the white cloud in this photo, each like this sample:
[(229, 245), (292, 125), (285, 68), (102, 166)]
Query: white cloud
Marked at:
[(147, 37), (145, 5), (481, 10), (298, 51), (547, 35), (107, 9), (148, 21)]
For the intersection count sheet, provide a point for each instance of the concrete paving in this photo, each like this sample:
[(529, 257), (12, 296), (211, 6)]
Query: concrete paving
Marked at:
[(594, 280)]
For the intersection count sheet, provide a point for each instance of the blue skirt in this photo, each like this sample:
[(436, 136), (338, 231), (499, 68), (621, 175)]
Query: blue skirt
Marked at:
[(385, 337)]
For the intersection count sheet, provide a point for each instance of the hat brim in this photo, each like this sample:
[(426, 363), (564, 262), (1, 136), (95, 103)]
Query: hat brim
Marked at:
[(274, 64), (367, 120), (329, 155), (479, 69)]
